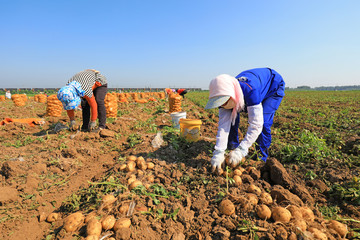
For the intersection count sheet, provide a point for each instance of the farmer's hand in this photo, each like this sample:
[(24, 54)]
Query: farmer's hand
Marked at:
[(92, 125), (217, 161), (73, 125), (237, 156)]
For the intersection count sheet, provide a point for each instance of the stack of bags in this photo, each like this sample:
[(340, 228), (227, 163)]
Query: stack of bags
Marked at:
[(19, 99), (41, 98), (174, 103), (54, 106), (111, 105), (2, 98)]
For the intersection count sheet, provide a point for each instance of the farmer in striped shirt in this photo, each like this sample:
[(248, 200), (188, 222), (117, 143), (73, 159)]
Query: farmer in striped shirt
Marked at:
[(90, 86)]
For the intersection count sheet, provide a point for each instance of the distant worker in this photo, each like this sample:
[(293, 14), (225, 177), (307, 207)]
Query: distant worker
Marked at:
[(258, 92), (89, 88), (8, 94), (182, 92)]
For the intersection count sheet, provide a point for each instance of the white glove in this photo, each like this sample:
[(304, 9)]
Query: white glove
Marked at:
[(217, 160), (237, 156), (92, 125)]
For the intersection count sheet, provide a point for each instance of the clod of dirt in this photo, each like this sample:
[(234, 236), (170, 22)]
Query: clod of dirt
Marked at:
[(12, 169), (221, 233), (123, 233), (106, 133), (8, 194), (317, 183), (282, 195), (277, 173)]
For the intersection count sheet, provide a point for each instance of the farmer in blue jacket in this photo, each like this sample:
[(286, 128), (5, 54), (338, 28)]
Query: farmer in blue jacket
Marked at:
[(258, 92)]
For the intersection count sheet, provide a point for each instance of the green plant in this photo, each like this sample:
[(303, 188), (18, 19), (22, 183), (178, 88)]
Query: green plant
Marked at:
[(134, 139)]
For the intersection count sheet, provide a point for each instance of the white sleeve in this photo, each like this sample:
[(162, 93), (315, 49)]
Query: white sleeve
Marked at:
[(223, 129), (256, 122)]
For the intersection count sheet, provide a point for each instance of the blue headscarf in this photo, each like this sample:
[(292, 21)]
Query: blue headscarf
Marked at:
[(70, 95)]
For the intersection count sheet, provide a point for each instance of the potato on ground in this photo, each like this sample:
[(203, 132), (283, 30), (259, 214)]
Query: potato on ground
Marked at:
[(122, 223), (295, 212), (226, 207), (318, 234), (263, 211), (73, 221), (307, 214), (254, 189), (52, 217), (93, 227), (280, 214), (108, 222), (340, 228)]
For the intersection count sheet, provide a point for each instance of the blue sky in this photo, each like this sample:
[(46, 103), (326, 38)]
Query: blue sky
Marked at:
[(170, 43)]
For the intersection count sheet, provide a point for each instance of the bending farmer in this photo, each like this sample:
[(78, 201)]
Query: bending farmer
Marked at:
[(90, 86), (258, 92)]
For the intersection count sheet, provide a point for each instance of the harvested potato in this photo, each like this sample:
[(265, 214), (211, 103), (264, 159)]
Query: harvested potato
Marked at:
[(147, 185), (340, 228), (90, 216), (141, 208), (280, 214), (300, 225), (295, 212), (226, 207), (249, 169), (254, 189), (108, 199), (131, 180), (140, 159), (140, 172), (266, 198), (237, 180), (131, 158), (318, 234), (263, 211), (150, 165), (52, 217), (93, 227), (108, 222), (122, 167), (237, 172), (228, 174), (252, 199), (122, 223), (150, 178), (130, 166), (73, 221), (307, 214), (134, 184), (92, 237), (124, 209)]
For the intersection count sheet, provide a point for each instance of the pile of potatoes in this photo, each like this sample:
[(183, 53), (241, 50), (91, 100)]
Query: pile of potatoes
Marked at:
[(103, 219), (19, 99), (300, 219)]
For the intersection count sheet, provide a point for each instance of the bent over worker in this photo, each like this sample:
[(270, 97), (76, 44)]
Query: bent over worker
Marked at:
[(258, 92), (90, 86)]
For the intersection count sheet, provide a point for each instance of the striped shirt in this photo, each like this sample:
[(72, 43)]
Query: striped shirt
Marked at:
[(87, 79)]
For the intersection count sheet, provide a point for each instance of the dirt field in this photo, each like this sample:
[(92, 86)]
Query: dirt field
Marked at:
[(44, 171)]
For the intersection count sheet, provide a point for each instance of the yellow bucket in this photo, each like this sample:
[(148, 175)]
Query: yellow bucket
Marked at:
[(190, 129)]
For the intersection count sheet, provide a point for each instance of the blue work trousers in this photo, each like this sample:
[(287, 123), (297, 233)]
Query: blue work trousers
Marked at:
[(270, 105)]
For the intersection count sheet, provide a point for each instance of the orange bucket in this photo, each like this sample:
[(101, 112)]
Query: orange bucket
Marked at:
[(190, 129)]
